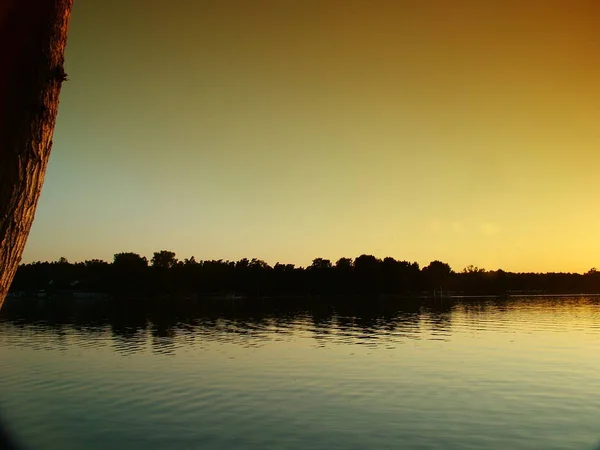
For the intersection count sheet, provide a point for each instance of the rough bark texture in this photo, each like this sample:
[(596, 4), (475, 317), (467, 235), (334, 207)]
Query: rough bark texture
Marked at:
[(33, 35)]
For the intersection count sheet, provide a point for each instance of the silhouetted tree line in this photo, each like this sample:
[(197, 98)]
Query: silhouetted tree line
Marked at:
[(132, 274)]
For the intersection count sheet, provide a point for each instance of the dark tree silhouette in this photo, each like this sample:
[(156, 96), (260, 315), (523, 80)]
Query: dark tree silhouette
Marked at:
[(286, 279), (343, 276), (436, 274), (129, 273), (129, 261), (367, 273), (399, 276), (96, 275), (366, 276), (164, 259), (320, 264), (319, 276)]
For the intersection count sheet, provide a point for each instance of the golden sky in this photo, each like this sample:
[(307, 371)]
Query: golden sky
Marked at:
[(465, 131)]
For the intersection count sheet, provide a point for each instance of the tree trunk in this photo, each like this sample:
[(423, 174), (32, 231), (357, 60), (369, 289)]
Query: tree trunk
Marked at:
[(33, 35)]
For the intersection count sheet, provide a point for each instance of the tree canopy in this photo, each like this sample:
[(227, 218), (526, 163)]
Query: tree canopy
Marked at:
[(366, 275)]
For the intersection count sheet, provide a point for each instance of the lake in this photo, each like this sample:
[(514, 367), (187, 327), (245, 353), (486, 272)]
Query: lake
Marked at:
[(452, 374)]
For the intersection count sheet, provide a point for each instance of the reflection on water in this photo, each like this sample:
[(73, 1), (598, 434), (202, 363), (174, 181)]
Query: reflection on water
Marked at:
[(518, 373)]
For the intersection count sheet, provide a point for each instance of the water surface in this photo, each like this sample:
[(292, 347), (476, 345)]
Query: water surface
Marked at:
[(515, 374)]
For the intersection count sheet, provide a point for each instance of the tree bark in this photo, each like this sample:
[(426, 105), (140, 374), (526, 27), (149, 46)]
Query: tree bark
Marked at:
[(33, 35)]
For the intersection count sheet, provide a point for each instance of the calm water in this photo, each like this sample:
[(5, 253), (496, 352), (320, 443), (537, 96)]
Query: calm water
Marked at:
[(518, 374)]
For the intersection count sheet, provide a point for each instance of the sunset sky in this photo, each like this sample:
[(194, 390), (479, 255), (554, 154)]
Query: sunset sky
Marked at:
[(466, 131)]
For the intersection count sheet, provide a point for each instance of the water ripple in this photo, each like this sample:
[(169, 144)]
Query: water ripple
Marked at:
[(464, 374)]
